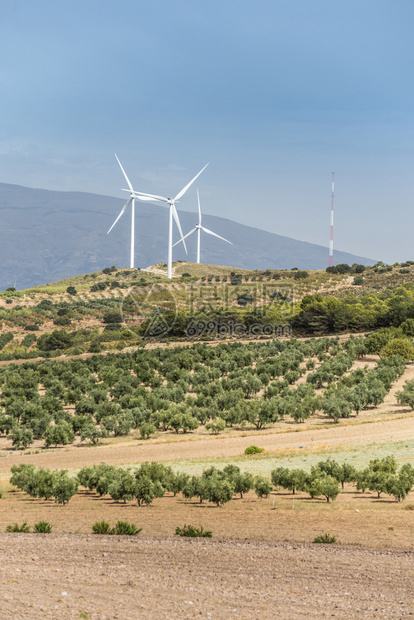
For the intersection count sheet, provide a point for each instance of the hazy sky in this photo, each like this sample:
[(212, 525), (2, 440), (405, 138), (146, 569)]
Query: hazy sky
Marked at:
[(275, 94)]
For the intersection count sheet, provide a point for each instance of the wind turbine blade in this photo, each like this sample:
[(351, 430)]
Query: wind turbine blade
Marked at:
[(185, 237), (124, 208), (177, 221), (147, 198), (183, 191), (125, 175), (199, 209), (210, 232), (152, 196)]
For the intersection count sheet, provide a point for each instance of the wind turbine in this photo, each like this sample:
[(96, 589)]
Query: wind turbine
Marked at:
[(199, 228), (130, 201), (173, 214)]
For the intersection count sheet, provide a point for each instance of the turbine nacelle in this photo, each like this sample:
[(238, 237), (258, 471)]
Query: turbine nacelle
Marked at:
[(198, 228), (173, 211)]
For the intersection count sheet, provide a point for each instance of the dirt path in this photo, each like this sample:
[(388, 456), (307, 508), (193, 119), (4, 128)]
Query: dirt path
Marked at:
[(390, 399), (66, 577), (337, 435)]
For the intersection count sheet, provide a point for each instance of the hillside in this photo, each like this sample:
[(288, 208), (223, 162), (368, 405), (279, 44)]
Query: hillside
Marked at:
[(265, 444), (203, 293), (49, 235)]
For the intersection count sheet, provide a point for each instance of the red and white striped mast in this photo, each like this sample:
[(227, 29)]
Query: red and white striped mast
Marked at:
[(332, 220)]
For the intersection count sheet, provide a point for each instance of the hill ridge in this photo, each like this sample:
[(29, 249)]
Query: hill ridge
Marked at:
[(48, 235)]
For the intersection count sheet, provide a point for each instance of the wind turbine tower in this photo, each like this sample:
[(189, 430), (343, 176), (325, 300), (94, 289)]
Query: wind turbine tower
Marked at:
[(130, 201), (332, 222), (198, 229), (172, 214)]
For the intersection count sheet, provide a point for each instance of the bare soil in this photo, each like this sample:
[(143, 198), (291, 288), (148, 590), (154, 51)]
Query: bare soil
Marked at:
[(65, 577)]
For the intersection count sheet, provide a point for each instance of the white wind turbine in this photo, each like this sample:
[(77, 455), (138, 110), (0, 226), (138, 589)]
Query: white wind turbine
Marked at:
[(130, 201), (199, 228), (173, 214)]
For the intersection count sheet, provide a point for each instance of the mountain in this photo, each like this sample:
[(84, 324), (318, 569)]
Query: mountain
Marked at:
[(48, 235)]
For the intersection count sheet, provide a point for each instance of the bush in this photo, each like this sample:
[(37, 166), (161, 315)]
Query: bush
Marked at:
[(98, 286), (18, 528), (101, 527), (193, 532), (245, 299), (253, 450), (216, 426), (146, 430), (43, 527), (57, 340), (398, 346), (123, 528), (62, 320), (325, 539), (341, 268), (5, 339), (71, 290), (112, 316)]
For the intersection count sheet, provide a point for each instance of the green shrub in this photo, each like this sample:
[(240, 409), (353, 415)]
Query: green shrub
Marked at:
[(18, 528), (193, 532), (101, 527), (5, 339), (62, 320), (43, 527), (325, 539), (398, 346), (146, 430), (123, 528), (253, 450), (216, 426)]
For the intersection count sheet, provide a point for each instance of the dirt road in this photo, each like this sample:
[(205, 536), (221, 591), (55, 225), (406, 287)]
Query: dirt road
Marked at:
[(185, 448)]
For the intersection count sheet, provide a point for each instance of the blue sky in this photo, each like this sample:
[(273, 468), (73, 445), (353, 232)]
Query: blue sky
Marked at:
[(275, 94)]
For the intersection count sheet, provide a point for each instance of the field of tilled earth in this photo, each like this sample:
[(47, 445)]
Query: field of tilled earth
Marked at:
[(67, 576)]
